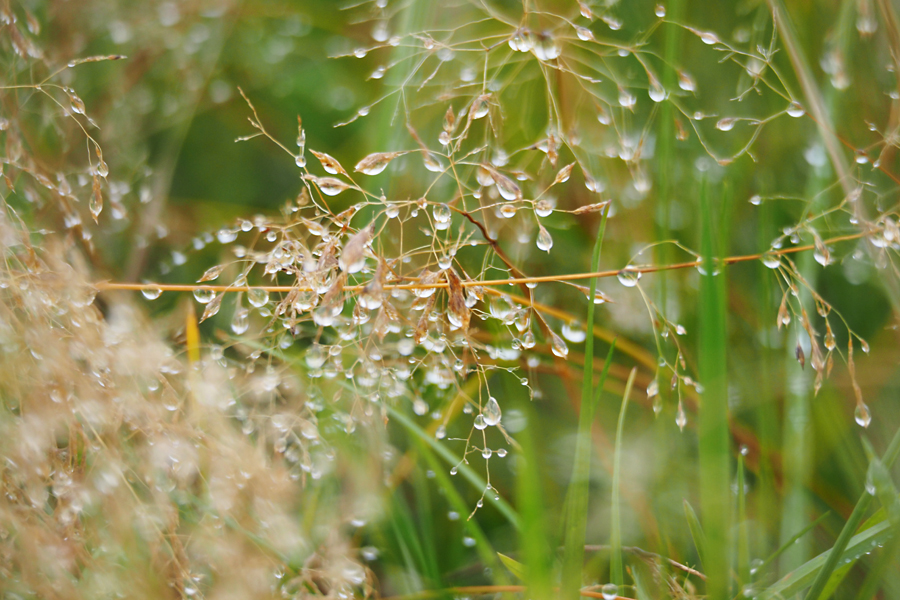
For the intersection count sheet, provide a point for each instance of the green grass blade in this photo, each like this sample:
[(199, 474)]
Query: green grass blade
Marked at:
[(616, 568), (514, 566), (482, 545), (696, 532), (536, 549), (715, 493), (845, 538), (789, 543), (465, 470), (803, 576), (577, 495), (743, 549)]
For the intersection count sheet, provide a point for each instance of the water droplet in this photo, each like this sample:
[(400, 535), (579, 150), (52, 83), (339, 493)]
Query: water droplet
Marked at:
[(441, 432), (240, 322), (795, 109), (610, 591), (756, 200), (558, 346), (629, 276), (657, 92), (442, 214), (468, 542), (686, 82), (626, 98), (680, 417), (771, 260), (653, 389), (258, 297), (544, 239), (726, 124), (491, 412), (151, 293), (709, 38), (528, 341), (584, 34), (226, 236), (861, 415), (543, 208), (660, 11), (574, 332), (204, 295), (480, 107)]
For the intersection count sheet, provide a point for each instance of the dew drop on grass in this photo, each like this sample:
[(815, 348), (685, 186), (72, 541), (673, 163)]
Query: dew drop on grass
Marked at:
[(686, 82), (657, 92), (491, 412), (726, 124), (528, 341), (480, 107), (680, 416), (626, 98), (480, 423), (756, 200), (795, 109), (468, 542), (204, 295), (610, 591), (771, 260), (544, 239), (151, 293), (584, 34), (240, 322), (653, 389), (486, 453), (629, 276), (226, 236), (441, 432), (543, 208), (861, 415), (709, 38), (660, 11), (574, 332), (442, 214), (258, 297), (558, 346)]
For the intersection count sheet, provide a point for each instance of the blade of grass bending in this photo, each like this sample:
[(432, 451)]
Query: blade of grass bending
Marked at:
[(831, 558), (535, 546), (616, 568), (577, 494), (465, 470), (715, 492)]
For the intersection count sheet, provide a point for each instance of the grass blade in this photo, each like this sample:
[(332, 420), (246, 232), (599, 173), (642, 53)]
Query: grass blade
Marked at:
[(715, 493), (616, 569), (844, 543), (696, 532), (577, 495), (537, 552)]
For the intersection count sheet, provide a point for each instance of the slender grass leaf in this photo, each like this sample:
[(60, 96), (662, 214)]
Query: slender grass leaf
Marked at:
[(616, 569)]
